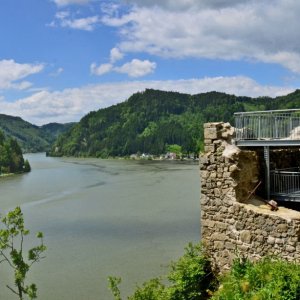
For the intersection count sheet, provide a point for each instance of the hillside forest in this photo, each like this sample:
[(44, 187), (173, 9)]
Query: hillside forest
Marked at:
[(153, 120), (30, 137), (11, 157)]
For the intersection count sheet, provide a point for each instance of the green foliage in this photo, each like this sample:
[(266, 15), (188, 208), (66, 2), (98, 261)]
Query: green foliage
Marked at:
[(27, 167), (191, 276), (12, 234), (189, 279), (175, 149), (151, 290), (149, 121), (268, 279), (11, 157), (114, 286)]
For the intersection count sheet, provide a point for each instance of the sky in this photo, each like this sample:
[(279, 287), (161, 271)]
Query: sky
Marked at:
[(60, 59)]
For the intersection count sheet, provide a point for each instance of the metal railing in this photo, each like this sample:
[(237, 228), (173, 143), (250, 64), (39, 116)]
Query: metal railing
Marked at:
[(285, 183), (272, 124)]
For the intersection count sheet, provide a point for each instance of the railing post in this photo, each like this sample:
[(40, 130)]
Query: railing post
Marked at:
[(259, 133), (267, 170), (276, 128)]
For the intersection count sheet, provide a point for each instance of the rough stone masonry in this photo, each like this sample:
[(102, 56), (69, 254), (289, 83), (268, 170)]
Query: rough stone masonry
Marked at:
[(232, 221)]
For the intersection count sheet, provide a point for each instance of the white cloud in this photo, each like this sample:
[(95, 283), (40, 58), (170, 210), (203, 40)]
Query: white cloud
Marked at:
[(287, 59), (188, 4), (64, 19), (137, 68), (69, 2), (22, 85), (71, 104), (11, 73), (134, 68), (57, 72), (252, 30), (115, 55), (100, 70), (62, 15), (87, 24)]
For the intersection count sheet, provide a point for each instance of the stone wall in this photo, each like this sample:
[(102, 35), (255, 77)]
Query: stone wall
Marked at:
[(234, 222)]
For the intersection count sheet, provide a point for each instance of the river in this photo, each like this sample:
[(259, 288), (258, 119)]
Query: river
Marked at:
[(100, 218)]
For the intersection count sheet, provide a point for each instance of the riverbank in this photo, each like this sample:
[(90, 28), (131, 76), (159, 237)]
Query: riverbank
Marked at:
[(7, 174)]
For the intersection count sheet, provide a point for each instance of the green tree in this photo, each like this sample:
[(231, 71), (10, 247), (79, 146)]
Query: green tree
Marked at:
[(12, 252), (190, 278), (27, 167), (175, 149)]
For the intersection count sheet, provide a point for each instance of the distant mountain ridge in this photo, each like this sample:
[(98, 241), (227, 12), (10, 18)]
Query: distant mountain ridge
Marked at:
[(31, 138), (149, 121)]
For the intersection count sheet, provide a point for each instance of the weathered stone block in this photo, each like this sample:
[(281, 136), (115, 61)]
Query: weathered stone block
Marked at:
[(290, 248), (217, 192), (204, 174), (282, 228), (279, 241), (207, 141), (233, 168), (213, 175), (210, 148), (246, 236), (208, 223), (210, 133), (203, 160), (204, 199), (211, 167), (218, 236), (229, 245), (239, 226), (218, 245), (260, 238), (221, 225)]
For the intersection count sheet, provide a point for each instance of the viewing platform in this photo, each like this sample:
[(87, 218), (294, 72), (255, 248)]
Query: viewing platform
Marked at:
[(268, 128), (278, 129)]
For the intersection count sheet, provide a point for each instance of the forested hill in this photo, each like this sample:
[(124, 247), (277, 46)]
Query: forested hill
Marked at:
[(149, 121), (11, 157), (31, 138)]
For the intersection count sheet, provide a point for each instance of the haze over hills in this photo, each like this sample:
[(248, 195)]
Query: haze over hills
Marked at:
[(149, 121), (31, 138)]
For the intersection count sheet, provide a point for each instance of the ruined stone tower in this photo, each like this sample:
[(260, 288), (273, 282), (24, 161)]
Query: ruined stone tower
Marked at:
[(233, 221)]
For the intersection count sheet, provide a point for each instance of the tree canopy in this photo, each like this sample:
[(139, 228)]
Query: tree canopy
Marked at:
[(11, 157), (149, 121)]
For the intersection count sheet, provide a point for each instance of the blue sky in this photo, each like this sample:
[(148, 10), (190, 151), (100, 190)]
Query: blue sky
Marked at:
[(60, 59)]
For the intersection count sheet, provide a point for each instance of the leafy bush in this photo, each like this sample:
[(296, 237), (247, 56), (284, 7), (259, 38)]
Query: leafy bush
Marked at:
[(191, 276), (151, 290), (189, 279), (267, 279)]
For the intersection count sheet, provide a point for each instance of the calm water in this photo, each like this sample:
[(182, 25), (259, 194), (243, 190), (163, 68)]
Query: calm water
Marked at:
[(101, 218)]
